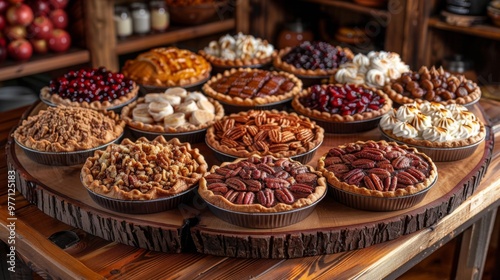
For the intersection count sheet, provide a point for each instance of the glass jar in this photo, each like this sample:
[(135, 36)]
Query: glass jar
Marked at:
[(123, 22), (160, 18), (141, 18)]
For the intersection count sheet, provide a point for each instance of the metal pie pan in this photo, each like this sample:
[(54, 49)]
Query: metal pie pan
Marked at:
[(115, 108), (439, 154), (348, 127), (264, 220), (195, 136), (62, 158), (279, 105), (142, 206), (380, 204), (191, 87), (303, 158)]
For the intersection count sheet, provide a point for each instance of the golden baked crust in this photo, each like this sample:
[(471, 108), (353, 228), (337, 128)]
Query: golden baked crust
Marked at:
[(143, 170), (68, 129), (282, 65), (250, 87), (238, 62), (426, 85), (237, 186), (127, 116), (167, 67), (378, 169), (366, 114), (55, 99), (274, 132)]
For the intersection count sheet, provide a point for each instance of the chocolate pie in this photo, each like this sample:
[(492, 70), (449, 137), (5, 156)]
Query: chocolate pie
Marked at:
[(167, 67), (96, 88), (275, 133), (378, 169), (143, 170), (262, 185), (312, 59), (435, 85), (250, 87)]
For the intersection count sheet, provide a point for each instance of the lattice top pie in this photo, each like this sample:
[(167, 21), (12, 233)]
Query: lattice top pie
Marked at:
[(275, 133), (167, 67), (379, 169), (68, 129), (143, 170), (262, 184)]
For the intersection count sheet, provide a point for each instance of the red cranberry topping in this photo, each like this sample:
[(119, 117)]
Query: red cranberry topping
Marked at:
[(91, 84), (344, 100), (315, 55)]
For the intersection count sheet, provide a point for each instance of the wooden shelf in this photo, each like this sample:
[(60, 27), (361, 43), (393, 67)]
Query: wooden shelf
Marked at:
[(483, 30), (43, 63), (353, 7), (175, 34)]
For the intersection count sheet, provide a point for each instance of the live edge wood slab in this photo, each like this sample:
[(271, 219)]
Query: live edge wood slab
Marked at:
[(331, 228)]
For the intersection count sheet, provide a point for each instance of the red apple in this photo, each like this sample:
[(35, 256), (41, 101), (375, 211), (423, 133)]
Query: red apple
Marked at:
[(20, 14), (4, 4), (20, 49), (41, 7), (3, 41), (39, 45), (14, 32), (59, 18), (59, 4), (40, 28), (3, 22), (59, 40)]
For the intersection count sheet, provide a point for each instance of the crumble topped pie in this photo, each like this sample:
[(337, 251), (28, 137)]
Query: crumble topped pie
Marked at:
[(96, 88), (312, 59), (68, 129), (143, 170), (250, 87), (435, 85), (274, 132), (378, 169), (341, 103), (262, 185), (237, 51), (432, 124), (167, 67), (175, 110)]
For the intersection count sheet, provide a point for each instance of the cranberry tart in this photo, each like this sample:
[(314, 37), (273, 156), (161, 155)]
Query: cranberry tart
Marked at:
[(273, 132), (434, 85), (96, 88), (262, 185), (377, 170), (167, 67), (343, 108)]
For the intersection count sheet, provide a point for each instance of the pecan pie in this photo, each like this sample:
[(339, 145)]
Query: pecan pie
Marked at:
[(175, 110), (143, 170), (435, 85), (237, 51), (96, 88), (275, 133), (378, 169), (249, 87), (68, 129), (262, 184), (312, 59), (341, 103), (167, 67)]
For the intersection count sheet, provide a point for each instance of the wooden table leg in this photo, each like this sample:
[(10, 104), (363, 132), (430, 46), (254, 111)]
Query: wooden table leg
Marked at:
[(474, 247)]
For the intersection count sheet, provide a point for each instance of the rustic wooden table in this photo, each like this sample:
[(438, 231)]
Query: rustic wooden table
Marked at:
[(95, 258)]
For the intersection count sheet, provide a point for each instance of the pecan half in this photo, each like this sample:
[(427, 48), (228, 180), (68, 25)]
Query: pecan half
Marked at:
[(307, 177), (380, 172), (231, 195), (401, 162), (284, 195), (302, 188), (373, 182), (276, 183), (354, 176), (370, 154), (253, 185), (363, 163), (406, 178), (266, 197), (236, 184), (338, 169)]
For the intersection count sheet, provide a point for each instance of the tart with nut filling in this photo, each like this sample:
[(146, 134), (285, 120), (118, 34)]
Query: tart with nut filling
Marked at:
[(378, 169), (143, 170), (262, 184)]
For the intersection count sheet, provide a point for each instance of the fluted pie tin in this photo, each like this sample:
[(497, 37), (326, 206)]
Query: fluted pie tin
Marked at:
[(348, 127), (143, 206), (144, 89), (264, 220), (381, 204), (233, 108), (114, 108), (195, 136), (439, 154), (62, 158)]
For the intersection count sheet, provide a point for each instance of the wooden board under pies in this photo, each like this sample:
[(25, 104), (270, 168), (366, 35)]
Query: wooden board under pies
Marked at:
[(331, 228)]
